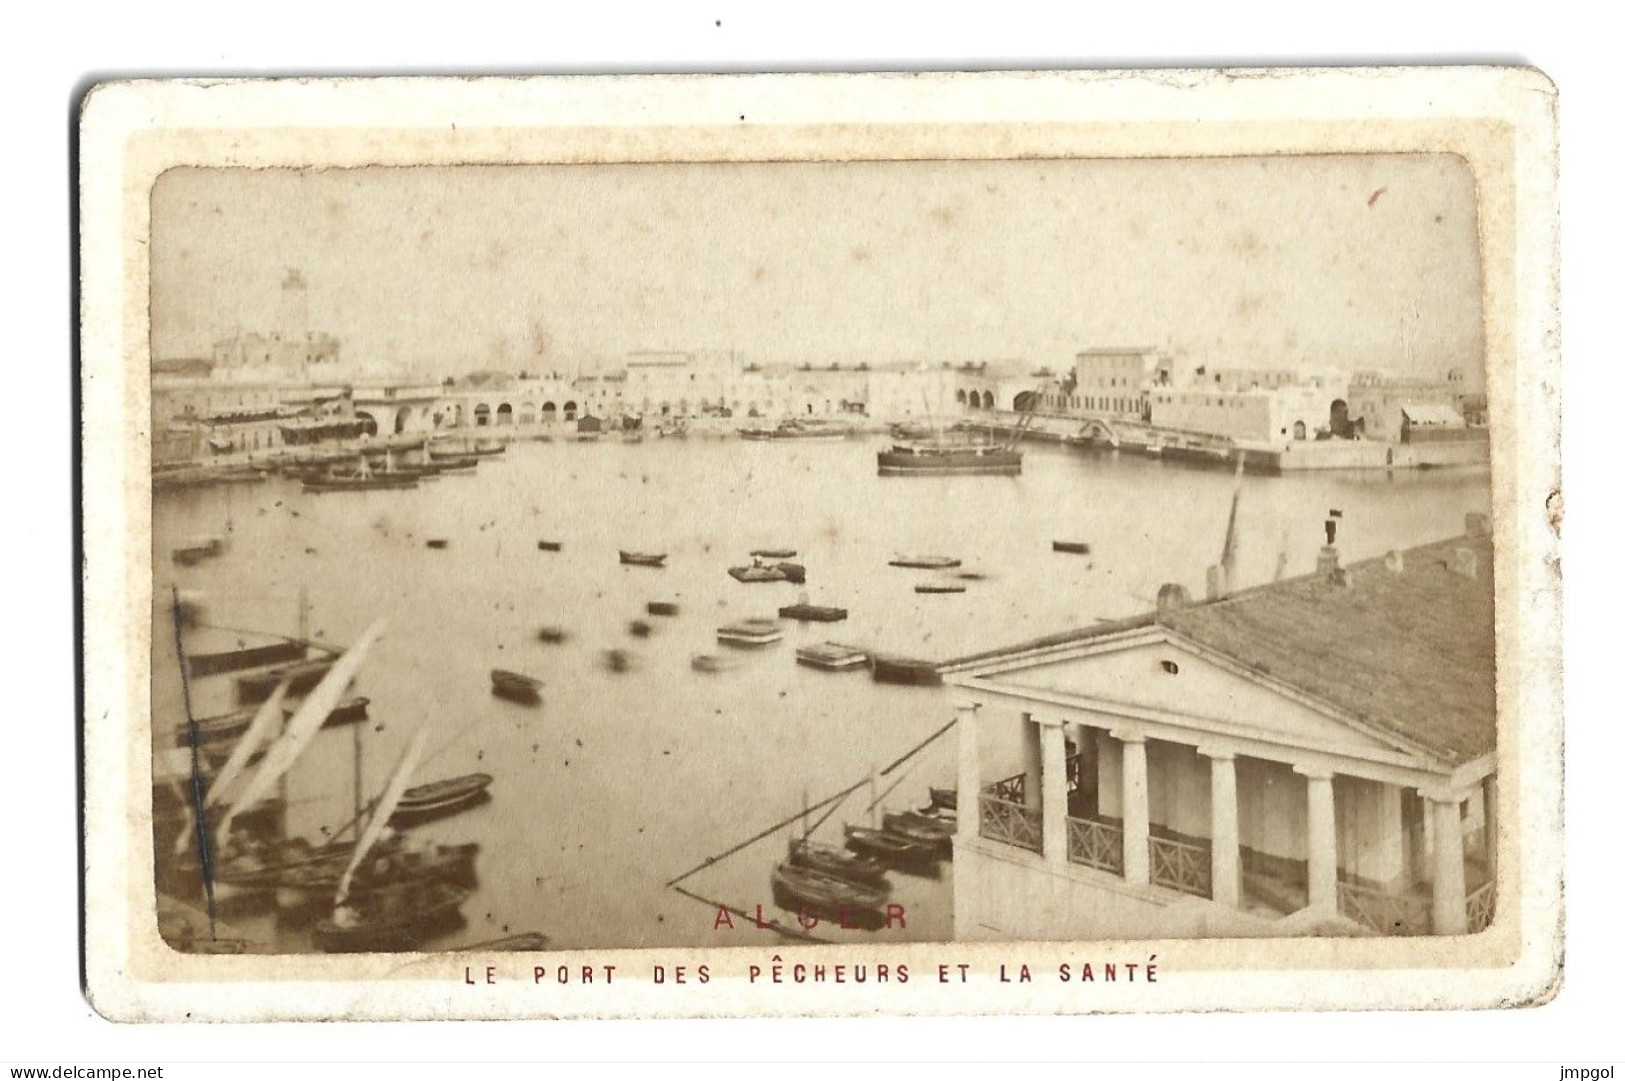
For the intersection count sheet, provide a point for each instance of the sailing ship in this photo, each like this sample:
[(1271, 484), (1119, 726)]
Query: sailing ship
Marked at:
[(360, 479)]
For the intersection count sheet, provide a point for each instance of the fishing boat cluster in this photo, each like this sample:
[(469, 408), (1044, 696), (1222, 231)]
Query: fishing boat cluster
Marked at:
[(365, 884)]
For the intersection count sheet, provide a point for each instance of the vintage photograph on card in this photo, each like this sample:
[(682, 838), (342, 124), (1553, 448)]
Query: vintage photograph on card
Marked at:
[(825, 544)]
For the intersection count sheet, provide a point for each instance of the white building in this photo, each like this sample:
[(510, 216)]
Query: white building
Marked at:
[(1315, 755)]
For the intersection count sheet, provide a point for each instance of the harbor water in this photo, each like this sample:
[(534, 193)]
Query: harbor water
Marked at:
[(622, 780)]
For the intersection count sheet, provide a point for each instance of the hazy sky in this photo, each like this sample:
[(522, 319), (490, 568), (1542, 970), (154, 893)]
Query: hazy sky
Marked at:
[(1242, 262)]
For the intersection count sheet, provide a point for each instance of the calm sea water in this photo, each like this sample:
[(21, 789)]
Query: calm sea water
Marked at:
[(622, 781)]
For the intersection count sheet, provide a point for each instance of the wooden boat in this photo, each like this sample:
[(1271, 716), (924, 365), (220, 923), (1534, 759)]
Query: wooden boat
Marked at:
[(945, 798), (750, 633), (837, 899), (812, 613), (231, 660), (363, 479), (260, 865), (516, 687), (756, 572), (197, 550), (440, 798), (552, 635), (525, 941), (926, 563), (892, 849), (936, 459), (922, 828), (793, 572), (939, 587), (662, 608), (838, 863), (486, 447), (773, 553), (387, 865), (904, 670), (643, 559), (831, 657), (448, 462), (257, 686), (639, 628), (619, 660), (549, 546), (227, 726), (710, 662), (1080, 548), (437, 542), (391, 918)]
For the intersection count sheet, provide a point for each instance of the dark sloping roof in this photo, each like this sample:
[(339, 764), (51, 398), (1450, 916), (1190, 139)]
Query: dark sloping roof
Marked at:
[(1410, 653)]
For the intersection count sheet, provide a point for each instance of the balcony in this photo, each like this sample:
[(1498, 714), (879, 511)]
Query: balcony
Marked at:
[(1182, 866), (1096, 844), (1003, 815)]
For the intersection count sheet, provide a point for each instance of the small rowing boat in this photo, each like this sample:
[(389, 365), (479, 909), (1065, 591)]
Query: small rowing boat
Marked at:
[(440, 798), (813, 613), (815, 893), (392, 918), (301, 677), (750, 633), (662, 608), (832, 657), (1072, 547), (838, 863), (773, 553), (516, 687), (925, 563), (643, 559), (939, 587)]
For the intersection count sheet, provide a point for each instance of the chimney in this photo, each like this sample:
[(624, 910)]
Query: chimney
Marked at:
[(1478, 525), (1172, 597), (1464, 561), (1394, 561)]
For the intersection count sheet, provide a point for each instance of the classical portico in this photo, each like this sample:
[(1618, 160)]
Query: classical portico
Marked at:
[(1139, 779)]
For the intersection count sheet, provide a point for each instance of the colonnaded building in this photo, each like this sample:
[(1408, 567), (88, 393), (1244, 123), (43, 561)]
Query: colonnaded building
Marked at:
[(1312, 756)]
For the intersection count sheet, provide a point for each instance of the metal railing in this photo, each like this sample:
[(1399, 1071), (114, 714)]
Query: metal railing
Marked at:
[(1011, 822), (1480, 908), (1095, 844), (1383, 912), (1177, 865)]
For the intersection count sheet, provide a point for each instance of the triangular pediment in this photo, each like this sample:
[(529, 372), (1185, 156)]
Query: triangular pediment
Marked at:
[(1160, 674)]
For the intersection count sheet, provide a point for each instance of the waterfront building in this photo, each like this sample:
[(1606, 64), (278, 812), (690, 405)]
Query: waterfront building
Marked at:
[(1111, 382), (1414, 408), (1316, 755), (1252, 413)]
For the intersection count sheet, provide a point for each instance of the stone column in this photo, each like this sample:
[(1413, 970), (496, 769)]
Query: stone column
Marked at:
[(1136, 810), (1032, 762), (1226, 829), (1322, 839), (1052, 737), (1449, 867), (969, 795)]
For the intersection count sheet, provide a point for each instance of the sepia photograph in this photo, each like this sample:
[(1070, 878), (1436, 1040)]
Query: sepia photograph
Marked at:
[(838, 552)]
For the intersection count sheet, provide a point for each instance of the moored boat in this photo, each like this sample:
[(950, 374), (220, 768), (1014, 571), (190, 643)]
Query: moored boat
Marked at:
[(831, 657), (227, 726), (258, 865), (1071, 547), (549, 546), (392, 918), (811, 891), (925, 563), (522, 942), (440, 798), (889, 669), (793, 572), (257, 686), (756, 572), (389, 864), (662, 608), (198, 549), (552, 635), (813, 613), (922, 828), (232, 660), (750, 633), (710, 662), (891, 849), (516, 687), (773, 553), (925, 459), (839, 863), (939, 587), (643, 559)]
